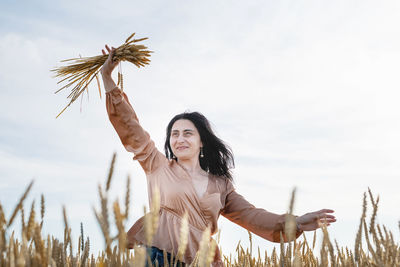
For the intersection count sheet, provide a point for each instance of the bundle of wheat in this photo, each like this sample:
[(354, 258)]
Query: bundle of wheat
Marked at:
[(80, 72)]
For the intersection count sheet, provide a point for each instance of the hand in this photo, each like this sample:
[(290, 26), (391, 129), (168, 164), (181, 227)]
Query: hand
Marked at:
[(110, 64), (314, 220)]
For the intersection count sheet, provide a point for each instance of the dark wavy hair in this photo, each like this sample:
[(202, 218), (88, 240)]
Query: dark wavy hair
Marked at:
[(218, 156)]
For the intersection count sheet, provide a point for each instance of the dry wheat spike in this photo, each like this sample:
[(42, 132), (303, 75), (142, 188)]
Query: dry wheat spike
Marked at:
[(80, 72)]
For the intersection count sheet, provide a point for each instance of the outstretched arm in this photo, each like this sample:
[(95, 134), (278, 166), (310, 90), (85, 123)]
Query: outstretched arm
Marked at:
[(266, 224), (263, 223)]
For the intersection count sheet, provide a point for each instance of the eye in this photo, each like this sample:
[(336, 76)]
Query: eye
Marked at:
[(188, 133), (174, 134)]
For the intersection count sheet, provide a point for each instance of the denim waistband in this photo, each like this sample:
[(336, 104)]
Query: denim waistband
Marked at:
[(157, 254)]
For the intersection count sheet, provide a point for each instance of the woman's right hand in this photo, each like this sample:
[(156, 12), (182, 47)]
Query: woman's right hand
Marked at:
[(110, 64), (108, 67)]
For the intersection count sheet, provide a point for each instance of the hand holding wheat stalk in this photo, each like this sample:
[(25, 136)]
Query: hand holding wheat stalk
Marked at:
[(81, 71), (108, 68)]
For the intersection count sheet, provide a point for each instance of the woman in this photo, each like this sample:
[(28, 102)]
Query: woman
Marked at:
[(193, 177)]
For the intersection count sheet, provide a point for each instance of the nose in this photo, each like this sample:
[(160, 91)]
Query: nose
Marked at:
[(180, 138)]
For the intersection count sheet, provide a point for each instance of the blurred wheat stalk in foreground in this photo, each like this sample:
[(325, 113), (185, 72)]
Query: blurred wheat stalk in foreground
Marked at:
[(34, 249), (81, 71)]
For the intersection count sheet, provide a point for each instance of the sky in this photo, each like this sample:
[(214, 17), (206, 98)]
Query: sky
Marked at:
[(305, 93)]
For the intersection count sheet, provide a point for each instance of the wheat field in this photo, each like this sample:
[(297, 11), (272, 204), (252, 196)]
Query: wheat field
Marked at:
[(374, 243)]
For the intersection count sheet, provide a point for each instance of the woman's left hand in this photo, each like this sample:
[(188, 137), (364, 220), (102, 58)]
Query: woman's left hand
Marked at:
[(314, 220)]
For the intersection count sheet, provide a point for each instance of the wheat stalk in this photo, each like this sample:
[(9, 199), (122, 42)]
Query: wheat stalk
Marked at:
[(19, 205), (42, 210), (204, 247), (127, 196), (183, 240), (80, 72), (31, 222), (359, 233), (119, 221), (111, 171)]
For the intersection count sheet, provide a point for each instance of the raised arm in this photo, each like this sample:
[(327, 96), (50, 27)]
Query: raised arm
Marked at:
[(122, 116)]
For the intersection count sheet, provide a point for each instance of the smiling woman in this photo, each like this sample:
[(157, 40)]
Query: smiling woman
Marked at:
[(193, 178), (184, 140), (214, 155), (189, 141)]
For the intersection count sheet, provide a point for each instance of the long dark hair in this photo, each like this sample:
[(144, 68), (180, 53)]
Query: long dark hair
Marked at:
[(218, 156)]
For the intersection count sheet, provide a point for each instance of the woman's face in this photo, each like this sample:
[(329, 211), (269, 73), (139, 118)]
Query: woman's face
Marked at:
[(185, 140)]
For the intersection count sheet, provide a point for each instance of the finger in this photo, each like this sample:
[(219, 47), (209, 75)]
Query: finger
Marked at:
[(108, 49), (325, 216), (326, 211), (102, 51), (327, 220)]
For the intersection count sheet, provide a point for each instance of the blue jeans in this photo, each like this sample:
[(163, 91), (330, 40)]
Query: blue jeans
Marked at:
[(157, 254)]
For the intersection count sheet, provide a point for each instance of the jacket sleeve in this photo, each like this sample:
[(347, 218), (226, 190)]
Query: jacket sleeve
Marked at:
[(258, 221), (134, 138)]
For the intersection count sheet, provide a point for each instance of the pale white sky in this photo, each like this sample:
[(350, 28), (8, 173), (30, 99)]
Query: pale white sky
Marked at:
[(306, 94)]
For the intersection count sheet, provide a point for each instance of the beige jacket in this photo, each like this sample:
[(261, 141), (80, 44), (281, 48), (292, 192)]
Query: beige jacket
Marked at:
[(177, 193)]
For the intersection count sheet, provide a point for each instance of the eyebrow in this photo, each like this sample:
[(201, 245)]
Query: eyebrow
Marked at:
[(186, 130)]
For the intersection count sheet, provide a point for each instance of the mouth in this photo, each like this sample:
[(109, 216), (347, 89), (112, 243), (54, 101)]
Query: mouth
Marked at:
[(181, 147)]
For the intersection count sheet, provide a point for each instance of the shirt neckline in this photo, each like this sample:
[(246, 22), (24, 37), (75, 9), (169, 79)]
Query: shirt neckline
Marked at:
[(192, 185)]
